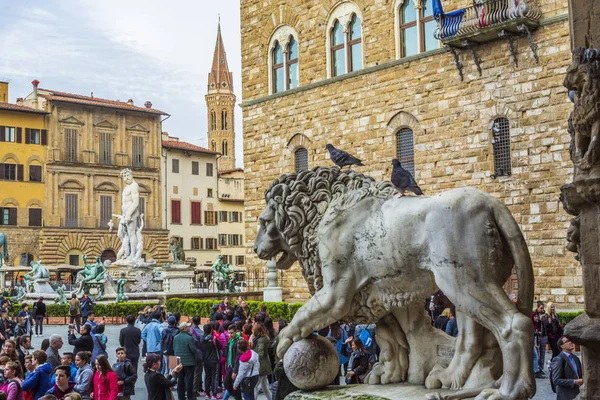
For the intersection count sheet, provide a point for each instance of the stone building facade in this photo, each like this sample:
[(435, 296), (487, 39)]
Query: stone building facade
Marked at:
[(23, 141), (90, 140), (190, 195), (399, 94)]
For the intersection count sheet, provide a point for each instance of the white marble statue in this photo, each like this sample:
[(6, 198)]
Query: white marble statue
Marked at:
[(130, 223), (370, 255)]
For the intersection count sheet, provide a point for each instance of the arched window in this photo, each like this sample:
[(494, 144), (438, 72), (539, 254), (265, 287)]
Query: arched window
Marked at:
[(338, 50), (278, 70), (301, 159), (25, 259), (213, 121), (501, 144), (355, 44), (415, 28), (224, 120), (405, 149), (408, 29), (108, 255), (213, 145), (224, 147), (292, 63)]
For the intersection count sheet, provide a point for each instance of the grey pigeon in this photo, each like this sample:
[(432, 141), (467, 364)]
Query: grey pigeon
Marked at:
[(403, 180), (342, 158)]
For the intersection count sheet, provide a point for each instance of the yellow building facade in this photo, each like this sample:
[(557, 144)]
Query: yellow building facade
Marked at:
[(90, 140), (371, 78), (23, 140)]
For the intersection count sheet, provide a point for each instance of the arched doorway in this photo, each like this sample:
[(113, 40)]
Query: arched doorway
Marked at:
[(108, 255), (25, 259)]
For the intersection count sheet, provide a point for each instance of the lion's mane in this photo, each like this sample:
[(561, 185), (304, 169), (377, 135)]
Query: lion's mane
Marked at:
[(303, 198), (583, 77)]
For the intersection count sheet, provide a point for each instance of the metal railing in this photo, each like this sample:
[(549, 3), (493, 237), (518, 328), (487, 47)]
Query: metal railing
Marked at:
[(483, 14)]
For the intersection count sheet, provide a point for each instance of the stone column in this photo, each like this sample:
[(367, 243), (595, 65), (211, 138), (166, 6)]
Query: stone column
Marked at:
[(582, 197), (272, 292)]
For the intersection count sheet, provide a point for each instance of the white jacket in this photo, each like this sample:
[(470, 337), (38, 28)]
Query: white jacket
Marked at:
[(248, 368)]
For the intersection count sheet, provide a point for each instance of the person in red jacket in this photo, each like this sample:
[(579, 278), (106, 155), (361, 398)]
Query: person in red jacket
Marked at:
[(106, 385)]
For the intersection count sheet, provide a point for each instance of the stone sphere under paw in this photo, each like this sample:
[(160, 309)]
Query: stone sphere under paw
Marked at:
[(311, 363)]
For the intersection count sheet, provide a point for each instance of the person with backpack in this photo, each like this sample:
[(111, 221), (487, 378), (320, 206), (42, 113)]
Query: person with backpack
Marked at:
[(100, 341), (14, 374), (167, 336), (39, 381), (211, 355), (39, 310), (86, 307), (260, 345), (233, 360), (152, 334), (339, 340), (566, 375), (366, 334), (75, 311), (358, 364), (248, 371), (185, 349)]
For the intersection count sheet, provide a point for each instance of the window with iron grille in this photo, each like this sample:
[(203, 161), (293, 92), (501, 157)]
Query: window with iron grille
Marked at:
[(222, 239), (239, 260), (138, 151), (71, 145), (301, 159), (105, 148), (501, 144), (74, 259), (405, 149)]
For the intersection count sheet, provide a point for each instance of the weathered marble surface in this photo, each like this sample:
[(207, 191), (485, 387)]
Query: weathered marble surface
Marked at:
[(370, 255), (311, 363)]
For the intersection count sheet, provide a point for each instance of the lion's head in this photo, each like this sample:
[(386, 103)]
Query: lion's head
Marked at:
[(296, 203)]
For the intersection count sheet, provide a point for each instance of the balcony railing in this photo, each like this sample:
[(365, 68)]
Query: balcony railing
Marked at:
[(484, 19)]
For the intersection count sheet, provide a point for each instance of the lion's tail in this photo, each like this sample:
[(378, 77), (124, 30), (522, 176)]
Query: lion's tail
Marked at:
[(520, 254)]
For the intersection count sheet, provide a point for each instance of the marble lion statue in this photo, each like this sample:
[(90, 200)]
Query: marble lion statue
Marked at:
[(371, 255)]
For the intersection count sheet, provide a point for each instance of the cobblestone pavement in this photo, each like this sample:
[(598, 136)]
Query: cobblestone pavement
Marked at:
[(544, 392)]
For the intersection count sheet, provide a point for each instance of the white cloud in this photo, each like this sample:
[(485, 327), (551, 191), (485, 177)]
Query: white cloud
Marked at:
[(145, 50)]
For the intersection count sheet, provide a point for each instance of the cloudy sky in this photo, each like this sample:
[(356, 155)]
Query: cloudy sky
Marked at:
[(138, 49)]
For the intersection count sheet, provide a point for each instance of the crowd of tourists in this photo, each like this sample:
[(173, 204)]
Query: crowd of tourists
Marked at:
[(49, 373), (232, 355)]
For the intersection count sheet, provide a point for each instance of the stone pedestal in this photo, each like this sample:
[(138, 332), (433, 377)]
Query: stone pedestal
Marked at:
[(272, 294), (178, 279), (42, 286)]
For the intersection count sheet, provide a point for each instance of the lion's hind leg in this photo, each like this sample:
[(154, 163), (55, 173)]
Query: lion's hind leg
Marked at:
[(467, 350), (393, 358), (489, 305)]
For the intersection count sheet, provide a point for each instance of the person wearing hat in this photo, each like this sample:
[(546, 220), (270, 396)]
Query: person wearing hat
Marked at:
[(185, 349), (567, 374)]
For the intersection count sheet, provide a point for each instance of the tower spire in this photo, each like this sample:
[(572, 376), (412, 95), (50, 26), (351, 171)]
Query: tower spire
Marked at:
[(220, 79)]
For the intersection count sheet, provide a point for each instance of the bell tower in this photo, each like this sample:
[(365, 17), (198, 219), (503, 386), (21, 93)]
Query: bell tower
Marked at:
[(220, 102)]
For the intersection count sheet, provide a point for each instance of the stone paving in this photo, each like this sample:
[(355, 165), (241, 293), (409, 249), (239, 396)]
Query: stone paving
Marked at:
[(544, 392)]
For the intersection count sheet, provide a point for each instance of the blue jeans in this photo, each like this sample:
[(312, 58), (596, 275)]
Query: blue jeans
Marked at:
[(536, 367)]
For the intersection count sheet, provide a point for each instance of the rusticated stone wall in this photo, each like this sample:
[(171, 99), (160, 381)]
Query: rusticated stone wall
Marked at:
[(361, 112)]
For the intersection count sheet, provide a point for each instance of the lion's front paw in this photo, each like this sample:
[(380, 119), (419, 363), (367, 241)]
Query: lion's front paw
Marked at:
[(288, 336), (491, 394)]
